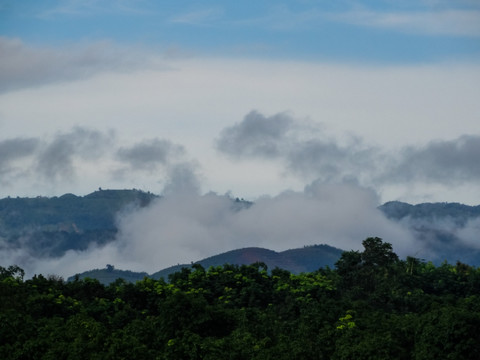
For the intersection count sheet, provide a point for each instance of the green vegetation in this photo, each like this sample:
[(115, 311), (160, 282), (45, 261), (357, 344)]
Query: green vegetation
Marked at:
[(372, 305)]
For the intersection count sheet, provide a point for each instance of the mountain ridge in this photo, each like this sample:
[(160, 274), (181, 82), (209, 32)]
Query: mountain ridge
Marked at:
[(292, 260)]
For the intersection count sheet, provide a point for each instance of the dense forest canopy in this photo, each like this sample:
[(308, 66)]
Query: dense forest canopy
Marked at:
[(371, 305)]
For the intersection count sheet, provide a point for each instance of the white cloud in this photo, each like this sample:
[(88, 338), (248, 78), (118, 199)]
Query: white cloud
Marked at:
[(184, 228), (203, 17), (437, 22), (428, 19), (24, 66), (282, 18), (92, 8)]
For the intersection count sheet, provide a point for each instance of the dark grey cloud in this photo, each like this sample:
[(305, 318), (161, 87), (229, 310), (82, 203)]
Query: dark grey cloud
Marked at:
[(182, 179), (60, 158), (306, 151), (444, 162), (22, 65), (329, 160), (149, 154), (56, 160), (256, 135), (303, 148), (12, 150)]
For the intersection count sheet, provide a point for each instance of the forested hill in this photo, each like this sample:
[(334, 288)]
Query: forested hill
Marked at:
[(459, 213), (445, 231), (48, 227), (306, 259)]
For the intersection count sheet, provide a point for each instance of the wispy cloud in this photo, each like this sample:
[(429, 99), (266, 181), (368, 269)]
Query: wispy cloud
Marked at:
[(22, 65), (203, 17), (441, 19), (283, 18), (93, 8), (149, 154), (453, 22), (12, 150), (56, 160)]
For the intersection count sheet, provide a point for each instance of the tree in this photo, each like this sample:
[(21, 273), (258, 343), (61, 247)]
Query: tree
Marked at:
[(13, 271), (368, 275)]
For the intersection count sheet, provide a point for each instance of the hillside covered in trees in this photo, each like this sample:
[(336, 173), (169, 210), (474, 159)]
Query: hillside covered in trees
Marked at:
[(48, 227), (371, 305), (306, 259)]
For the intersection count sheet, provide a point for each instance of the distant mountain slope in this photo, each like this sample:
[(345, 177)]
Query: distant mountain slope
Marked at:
[(460, 213), (50, 226), (306, 259), (444, 231), (110, 274)]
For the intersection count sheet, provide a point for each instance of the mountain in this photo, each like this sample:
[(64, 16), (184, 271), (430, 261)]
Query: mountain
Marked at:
[(446, 231), (306, 259), (48, 227), (459, 213)]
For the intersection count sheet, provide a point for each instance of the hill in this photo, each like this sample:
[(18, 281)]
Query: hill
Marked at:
[(306, 259), (48, 227), (445, 231), (459, 213)]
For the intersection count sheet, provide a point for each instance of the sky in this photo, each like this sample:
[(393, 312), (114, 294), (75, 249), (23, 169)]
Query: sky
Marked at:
[(254, 99)]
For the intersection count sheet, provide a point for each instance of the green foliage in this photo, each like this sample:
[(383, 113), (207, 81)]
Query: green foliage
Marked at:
[(371, 306)]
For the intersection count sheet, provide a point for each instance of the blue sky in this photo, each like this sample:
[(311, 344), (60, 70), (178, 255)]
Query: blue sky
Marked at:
[(378, 31)]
